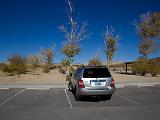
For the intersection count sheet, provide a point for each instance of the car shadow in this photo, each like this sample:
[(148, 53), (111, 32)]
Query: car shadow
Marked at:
[(91, 98)]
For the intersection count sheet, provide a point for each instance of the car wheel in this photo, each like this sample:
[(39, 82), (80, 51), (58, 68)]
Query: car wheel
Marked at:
[(77, 96), (70, 87), (106, 97), (109, 97)]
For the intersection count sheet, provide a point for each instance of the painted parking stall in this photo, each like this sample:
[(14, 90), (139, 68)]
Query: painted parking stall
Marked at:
[(6, 94), (59, 103)]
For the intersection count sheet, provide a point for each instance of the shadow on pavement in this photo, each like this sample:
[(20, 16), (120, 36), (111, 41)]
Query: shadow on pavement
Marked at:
[(91, 98)]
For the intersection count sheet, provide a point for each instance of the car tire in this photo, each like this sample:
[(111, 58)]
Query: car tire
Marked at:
[(106, 97), (77, 96), (109, 97), (70, 87)]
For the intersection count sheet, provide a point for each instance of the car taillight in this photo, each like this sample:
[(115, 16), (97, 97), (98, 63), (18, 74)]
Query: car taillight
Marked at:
[(81, 84), (112, 83)]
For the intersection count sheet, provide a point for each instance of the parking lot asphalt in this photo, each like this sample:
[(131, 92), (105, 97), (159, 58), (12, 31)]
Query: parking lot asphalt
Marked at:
[(129, 103)]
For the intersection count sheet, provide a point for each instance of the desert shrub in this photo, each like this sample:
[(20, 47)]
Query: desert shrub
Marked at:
[(140, 67), (2, 66), (46, 68), (58, 66), (33, 62), (95, 62), (52, 66), (62, 71), (17, 65), (154, 69), (6, 69), (143, 66)]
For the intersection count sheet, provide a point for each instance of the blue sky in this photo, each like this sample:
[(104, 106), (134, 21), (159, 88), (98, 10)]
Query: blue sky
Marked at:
[(28, 25)]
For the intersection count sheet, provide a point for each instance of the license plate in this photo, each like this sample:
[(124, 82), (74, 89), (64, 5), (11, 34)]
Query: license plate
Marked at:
[(98, 83)]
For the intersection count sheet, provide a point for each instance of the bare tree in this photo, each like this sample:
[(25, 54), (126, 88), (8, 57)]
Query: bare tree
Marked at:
[(74, 32), (47, 55), (110, 41)]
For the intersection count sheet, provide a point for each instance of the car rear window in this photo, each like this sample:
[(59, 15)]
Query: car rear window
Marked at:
[(96, 73)]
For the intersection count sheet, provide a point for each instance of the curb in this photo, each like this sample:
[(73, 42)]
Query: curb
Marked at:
[(30, 87), (137, 84)]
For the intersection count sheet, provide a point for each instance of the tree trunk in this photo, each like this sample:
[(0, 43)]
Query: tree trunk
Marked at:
[(18, 74), (35, 71), (67, 71), (108, 62)]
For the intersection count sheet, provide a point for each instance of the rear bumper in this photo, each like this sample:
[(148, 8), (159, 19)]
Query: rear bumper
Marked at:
[(102, 91)]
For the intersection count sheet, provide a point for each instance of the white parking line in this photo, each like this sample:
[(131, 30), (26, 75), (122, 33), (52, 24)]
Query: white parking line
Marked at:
[(65, 90), (128, 99), (38, 88), (4, 88), (144, 85), (12, 97)]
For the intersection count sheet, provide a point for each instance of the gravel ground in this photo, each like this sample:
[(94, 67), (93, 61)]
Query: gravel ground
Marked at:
[(55, 77)]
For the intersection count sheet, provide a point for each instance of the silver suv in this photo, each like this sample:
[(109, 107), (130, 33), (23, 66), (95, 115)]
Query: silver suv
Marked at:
[(92, 81)]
